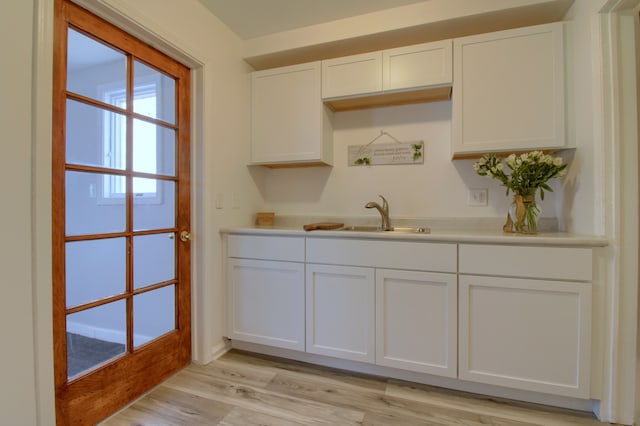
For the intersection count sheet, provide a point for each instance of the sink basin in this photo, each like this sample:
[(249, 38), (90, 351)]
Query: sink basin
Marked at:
[(396, 229)]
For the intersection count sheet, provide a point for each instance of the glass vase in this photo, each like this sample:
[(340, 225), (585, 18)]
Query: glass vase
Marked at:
[(524, 213)]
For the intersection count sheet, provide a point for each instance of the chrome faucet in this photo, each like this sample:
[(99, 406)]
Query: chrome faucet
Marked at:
[(384, 212)]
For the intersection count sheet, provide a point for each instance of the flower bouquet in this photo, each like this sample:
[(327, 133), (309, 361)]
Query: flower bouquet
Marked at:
[(527, 173)]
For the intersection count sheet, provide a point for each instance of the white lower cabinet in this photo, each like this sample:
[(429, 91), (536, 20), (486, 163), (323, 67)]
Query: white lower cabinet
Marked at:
[(266, 302), (485, 313), (340, 312), (526, 334), (265, 290), (416, 321)]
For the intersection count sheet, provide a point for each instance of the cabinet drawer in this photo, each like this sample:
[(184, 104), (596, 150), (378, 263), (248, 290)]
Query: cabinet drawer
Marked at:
[(530, 262), (268, 248), (383, 254)]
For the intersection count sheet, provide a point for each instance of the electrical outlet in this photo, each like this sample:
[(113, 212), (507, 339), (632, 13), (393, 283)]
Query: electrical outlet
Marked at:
[(477, 197)]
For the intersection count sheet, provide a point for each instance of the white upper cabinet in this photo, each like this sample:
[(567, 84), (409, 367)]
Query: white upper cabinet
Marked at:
[(428, 64), (289, 123), (357, 74), (509, 91), (418, 73)]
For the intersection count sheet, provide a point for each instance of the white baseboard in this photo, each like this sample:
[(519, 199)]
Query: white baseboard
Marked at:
[(220, 349), (444, 382), (106, 334)]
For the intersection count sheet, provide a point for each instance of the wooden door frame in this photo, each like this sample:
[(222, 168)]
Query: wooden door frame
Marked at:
[(148, 365)]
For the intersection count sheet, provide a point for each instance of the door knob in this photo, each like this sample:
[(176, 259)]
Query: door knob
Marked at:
[(185, 236)]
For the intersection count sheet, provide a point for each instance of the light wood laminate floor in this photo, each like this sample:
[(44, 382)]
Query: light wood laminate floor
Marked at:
[(247, 389)]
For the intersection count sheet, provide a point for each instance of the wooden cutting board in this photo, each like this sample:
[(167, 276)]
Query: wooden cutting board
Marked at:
[(324, 226)]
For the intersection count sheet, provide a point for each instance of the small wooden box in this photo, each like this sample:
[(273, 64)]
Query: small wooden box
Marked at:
[(265, 218)]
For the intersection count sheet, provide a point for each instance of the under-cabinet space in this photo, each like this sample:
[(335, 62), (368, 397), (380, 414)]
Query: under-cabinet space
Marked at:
[(417, 321), (509, 91)]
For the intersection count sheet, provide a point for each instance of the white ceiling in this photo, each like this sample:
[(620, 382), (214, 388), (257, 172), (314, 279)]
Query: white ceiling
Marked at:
[(256, 18)]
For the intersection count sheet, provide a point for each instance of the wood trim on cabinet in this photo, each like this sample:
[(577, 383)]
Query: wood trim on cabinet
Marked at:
[(390, 99)]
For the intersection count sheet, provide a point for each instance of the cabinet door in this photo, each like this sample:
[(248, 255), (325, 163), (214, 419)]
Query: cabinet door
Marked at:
[(428, 64), (289, 123), (525, 334), (352, 75), (266, 302), (509, 90), (416, 321), (340, 312)]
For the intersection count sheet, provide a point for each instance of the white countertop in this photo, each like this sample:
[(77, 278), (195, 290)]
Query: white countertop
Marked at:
[(483, 236)]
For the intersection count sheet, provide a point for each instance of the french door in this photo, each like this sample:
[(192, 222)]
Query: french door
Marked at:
[(121, 249)]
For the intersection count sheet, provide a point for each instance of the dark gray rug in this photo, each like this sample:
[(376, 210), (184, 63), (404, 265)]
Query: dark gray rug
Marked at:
[(84, 353)]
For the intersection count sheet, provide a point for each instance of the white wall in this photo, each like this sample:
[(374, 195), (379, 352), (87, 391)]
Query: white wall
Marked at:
[(439, 187), (17, 393), (582, 191), (436, 189)]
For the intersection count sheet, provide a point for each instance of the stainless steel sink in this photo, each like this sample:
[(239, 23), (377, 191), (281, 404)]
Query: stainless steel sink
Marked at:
[(398, 229)]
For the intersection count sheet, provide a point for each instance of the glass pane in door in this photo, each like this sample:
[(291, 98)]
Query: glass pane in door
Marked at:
[(95, 269), (153, 314), (153, 204), (154, 93), (154, 148), (153, 259), (95, 136), (95, 336), (95, 70), (94, 203)]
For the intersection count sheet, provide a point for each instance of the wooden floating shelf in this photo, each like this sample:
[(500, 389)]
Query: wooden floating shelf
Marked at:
[(390, 99), (291, 165), (501, 154)]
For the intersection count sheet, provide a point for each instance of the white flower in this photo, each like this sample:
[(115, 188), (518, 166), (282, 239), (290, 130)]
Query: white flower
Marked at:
[(499, 166), (482, 161), (557, 161)]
